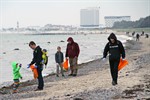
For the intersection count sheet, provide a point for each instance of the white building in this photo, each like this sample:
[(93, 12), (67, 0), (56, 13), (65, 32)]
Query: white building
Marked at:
[(110, 20), (89, 17)]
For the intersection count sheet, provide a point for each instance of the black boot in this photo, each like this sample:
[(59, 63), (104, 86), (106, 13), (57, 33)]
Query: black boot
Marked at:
[(114, 83), (70, 75)]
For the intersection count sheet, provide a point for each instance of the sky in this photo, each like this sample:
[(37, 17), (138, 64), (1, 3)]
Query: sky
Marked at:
[(65, 12)]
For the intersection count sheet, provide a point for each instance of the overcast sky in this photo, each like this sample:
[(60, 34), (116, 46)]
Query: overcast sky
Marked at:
[(66, 12)]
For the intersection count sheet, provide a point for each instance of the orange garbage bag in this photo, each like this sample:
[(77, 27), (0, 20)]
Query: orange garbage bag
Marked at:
[(65, 64), (34, 70), (122, 64)]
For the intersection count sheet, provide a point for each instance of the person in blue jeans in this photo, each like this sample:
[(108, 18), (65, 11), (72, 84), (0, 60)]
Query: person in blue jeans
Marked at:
[(116, 50), (37, 60)]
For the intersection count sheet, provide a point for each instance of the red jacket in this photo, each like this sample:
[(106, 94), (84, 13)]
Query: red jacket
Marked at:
[(72, 49)]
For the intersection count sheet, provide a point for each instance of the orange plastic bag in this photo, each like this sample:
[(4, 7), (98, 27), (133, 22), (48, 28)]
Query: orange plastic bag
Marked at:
[(34, 70), (122, 64), (65, 64)]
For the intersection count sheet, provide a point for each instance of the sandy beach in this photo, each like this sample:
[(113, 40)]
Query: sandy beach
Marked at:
[(94, 81)]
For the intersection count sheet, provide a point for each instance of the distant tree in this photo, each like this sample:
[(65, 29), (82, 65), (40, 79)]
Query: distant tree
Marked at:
[(141, 23), (145, 22)]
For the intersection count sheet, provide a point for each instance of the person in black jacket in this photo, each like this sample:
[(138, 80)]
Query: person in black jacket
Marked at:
[(59, 58), (146, 35), (37, 60), (116, 50), (137, 37)]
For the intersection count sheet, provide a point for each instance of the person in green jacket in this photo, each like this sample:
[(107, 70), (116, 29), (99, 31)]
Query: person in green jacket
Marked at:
[(16, 75)]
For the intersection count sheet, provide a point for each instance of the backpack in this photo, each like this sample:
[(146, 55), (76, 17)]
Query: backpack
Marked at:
[(44, 57)]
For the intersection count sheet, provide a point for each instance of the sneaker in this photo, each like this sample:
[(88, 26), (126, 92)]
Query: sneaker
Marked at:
[(74, 75), (57, 75), (38, 89), (114, 83), (70, 75)]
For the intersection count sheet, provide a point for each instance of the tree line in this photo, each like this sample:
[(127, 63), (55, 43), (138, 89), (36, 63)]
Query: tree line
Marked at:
[(141, 23)]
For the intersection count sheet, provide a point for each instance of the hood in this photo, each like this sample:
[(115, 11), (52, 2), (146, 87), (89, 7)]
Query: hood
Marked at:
[(14, 64), (70, 39), (44, 51), (38, 48), (112, 36)]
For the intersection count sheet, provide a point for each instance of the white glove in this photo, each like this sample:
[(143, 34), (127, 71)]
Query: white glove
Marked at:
[(123, 58), (57, 64), (103, 59), (35, 66), (28, 66)]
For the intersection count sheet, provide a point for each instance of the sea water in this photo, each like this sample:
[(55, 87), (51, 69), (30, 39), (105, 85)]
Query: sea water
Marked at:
[(91, 48)]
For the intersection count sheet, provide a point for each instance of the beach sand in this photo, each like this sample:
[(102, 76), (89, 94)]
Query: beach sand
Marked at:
[(94, 81)]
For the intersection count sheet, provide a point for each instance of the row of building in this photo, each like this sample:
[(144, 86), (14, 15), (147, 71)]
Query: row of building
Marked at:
[(90, 18)]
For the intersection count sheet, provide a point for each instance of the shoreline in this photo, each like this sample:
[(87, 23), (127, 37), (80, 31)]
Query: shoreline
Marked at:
[(91, 58), (52, 74)]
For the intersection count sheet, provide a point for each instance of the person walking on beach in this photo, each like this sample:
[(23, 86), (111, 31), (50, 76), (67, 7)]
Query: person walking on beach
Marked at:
[(146, 35), (142, 33), (133, 33), (72, 52), (37, 60), (137, 37), (16, 68), (59, 58), (116, 50)]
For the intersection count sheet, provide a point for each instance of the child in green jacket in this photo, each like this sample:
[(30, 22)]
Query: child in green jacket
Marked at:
[(16, 75)]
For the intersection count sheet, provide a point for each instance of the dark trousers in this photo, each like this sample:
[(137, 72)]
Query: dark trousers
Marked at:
[(137, 39), (40, 77), (114, 69)]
